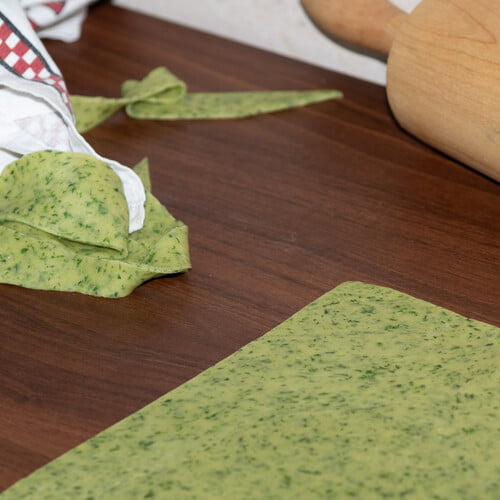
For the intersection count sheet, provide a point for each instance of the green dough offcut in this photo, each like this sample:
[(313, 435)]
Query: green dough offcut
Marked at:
[(162, 96), (64, 226), (224, 105), (365, 393), (90, 111)]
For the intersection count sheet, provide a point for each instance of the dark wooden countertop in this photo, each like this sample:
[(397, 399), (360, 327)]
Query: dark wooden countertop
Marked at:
[(281, 208)]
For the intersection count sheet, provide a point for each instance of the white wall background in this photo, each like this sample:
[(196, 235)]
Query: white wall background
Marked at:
[(277, 25)]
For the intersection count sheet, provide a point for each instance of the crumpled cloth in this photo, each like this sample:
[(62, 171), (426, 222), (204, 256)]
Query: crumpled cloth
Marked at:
[(60, 20), (35, 109)]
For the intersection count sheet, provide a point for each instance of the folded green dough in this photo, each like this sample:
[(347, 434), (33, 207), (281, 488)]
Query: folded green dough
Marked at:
[(64, 226), (162, 96), (365, 393)]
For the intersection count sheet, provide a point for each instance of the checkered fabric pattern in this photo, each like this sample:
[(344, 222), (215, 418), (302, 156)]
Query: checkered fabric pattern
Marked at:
[(19, 56)]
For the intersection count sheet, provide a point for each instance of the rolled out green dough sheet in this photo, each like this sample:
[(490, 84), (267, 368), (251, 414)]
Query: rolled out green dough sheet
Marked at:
[(365, 393), (64, 226)]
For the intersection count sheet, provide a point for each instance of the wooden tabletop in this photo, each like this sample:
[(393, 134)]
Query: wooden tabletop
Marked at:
[(281, 208)]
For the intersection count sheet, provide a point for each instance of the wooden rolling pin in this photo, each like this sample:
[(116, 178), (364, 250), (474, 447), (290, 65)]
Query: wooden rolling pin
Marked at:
[(443, 69)]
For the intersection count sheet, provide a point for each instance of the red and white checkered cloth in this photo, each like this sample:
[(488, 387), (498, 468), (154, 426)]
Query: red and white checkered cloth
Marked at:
[(18, 55), (35, 111), (22, 58)]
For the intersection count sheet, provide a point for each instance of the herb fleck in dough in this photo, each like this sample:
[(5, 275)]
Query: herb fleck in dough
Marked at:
[(365, 393)]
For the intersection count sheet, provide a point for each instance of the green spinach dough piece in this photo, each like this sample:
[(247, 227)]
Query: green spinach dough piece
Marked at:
[(64, 226), (162, 96), (364, 393)]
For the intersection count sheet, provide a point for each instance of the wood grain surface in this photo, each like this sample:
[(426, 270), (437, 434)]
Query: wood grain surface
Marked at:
[(281, 208)]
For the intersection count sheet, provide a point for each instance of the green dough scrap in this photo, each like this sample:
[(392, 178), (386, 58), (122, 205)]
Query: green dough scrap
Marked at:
[(60, 193), (64, 226), (364, 393), (142, 170), (159, 83), (90, 111), (225, 105), (162, 96)]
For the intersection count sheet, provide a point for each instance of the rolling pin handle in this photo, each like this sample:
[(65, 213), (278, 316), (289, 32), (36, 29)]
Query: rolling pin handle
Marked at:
[(371, 24)]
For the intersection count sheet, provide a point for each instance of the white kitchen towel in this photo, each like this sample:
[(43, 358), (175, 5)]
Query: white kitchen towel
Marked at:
[(61, 20), (35, 112)]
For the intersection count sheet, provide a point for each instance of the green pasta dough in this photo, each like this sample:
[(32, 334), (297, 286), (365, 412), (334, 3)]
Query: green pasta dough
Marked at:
[(90, 111), (223, 105), (64, 226), (162, 96), (365, 393)]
